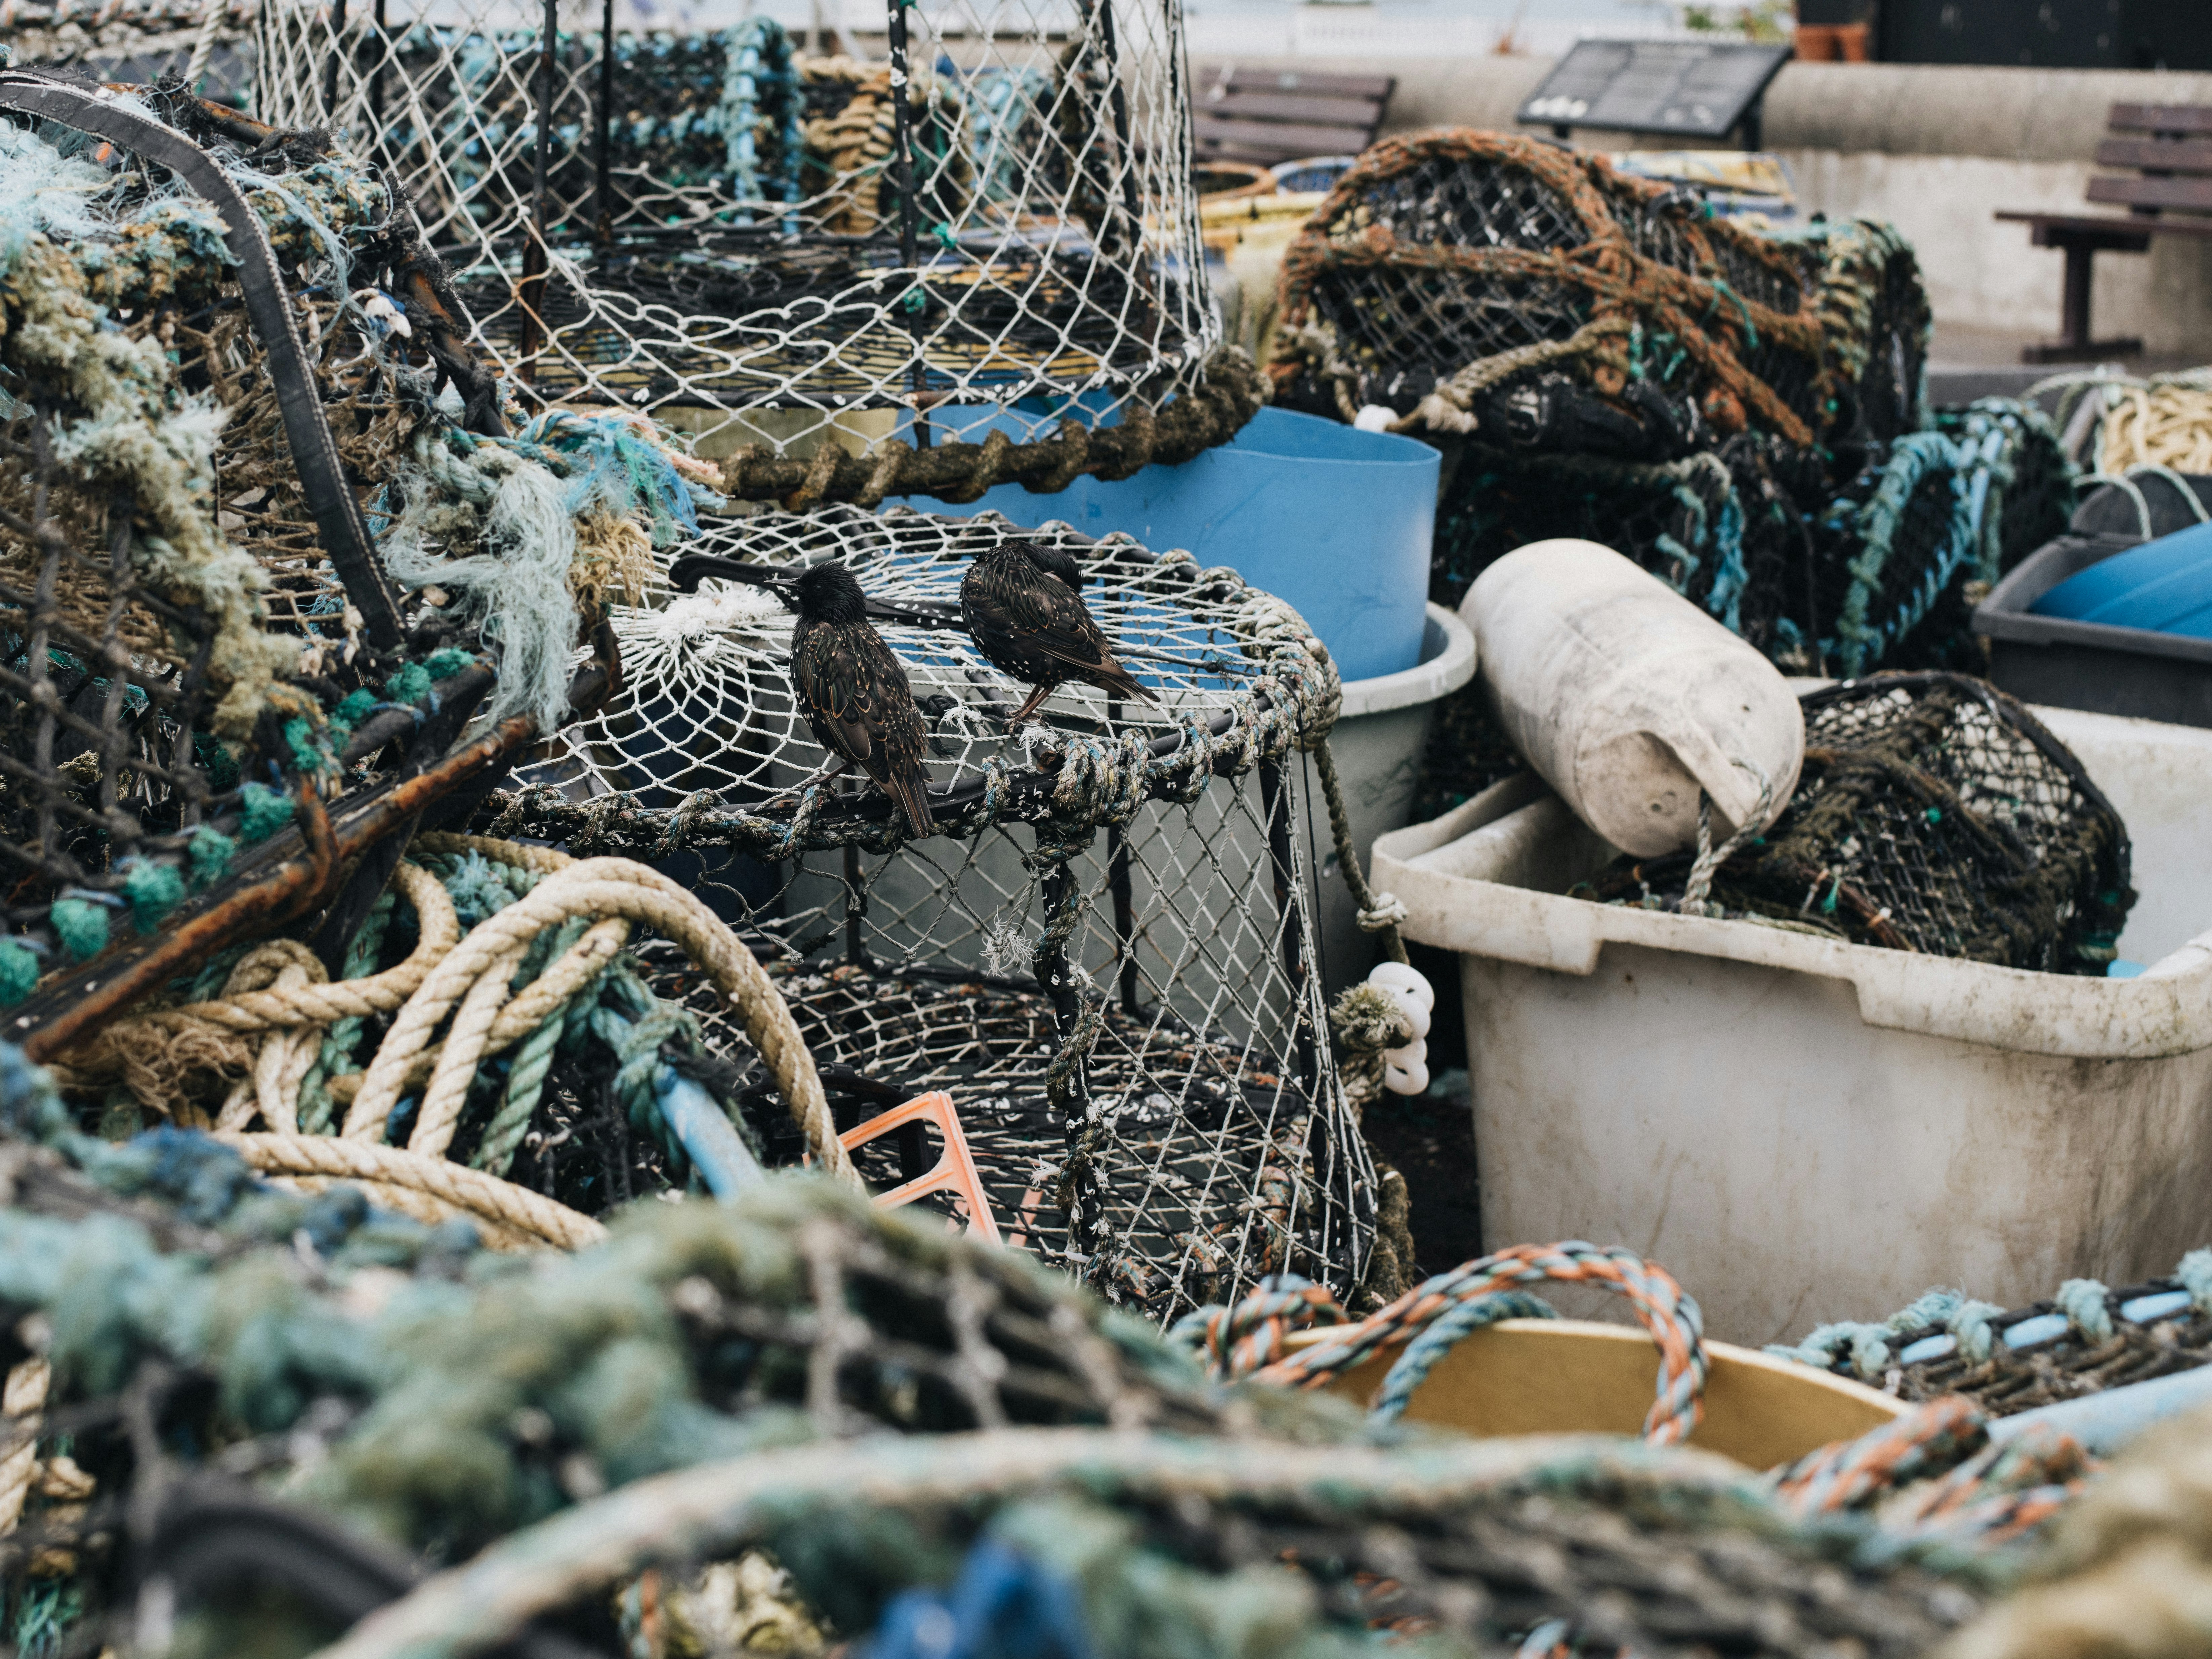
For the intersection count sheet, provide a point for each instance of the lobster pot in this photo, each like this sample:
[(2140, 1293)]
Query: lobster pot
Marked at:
[(194, 617), (1106, 954), (1549, 296), (997, 214), (138, 41), (1721, 528)]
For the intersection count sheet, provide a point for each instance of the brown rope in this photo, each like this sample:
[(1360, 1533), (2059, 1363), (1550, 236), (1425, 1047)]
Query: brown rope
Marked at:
[(1228, 393), (1714, 323)]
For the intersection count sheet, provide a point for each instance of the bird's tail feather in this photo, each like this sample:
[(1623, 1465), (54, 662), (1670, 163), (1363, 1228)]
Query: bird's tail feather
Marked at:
[(1118, 681), (911, 792)]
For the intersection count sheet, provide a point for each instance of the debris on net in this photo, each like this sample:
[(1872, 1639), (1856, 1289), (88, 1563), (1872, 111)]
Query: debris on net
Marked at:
[(1934, 813), (233, 1392), (215, 700)]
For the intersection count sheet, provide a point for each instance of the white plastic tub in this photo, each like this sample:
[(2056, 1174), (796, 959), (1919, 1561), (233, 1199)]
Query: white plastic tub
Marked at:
[(1801, 1130), (1380, 733)]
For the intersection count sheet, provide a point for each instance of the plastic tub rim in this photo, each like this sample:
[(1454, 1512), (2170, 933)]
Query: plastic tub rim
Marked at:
[(2005, 615), (1375, 448), (1437, 674), (2165, 1010)]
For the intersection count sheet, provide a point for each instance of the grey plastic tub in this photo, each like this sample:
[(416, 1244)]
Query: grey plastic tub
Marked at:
[(2104, 670), (2091, 665)]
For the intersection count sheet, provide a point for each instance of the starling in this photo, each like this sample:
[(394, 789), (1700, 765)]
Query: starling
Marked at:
[(1030, 621), (855, 694)]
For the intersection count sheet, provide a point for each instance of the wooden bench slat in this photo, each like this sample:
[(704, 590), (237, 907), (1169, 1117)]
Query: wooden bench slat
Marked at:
[(2139, 229), (1376, 87), (2155, 155), (1277, 106), (1291, 140), (2161, 117), (2186, 195)]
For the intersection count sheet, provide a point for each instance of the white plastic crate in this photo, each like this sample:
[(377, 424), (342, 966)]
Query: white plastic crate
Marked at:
[(1802, 1129)]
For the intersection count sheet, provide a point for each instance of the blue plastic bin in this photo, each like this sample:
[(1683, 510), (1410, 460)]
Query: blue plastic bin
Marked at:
[(1333, 520), (2165, 586)]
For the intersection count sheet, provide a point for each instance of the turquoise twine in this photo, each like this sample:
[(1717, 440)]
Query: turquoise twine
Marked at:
[(1860, 642), (532, 1062), (1461, 1319), (335, 1056), (1869, 1348)]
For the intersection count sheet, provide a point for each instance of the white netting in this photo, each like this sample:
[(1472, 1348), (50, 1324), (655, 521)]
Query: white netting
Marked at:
[(994, 222), (1109, 956)]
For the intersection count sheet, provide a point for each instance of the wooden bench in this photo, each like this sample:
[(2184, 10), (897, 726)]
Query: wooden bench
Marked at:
[(1267, 117), (2169, 148)]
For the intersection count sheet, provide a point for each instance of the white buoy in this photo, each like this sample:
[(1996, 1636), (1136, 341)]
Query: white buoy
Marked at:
[(1628, 700), (1405, 1069)]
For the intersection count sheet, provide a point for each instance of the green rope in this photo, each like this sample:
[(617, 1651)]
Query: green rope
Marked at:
[(317, 1111), (532, 1062)]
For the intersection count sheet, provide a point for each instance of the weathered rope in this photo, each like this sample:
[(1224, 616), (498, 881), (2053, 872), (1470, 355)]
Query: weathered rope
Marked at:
[(1609, 277), (1697, 888), (473, 979), (1379, 912), (2084, 1306), (1665, 1309), (715, 1510), (270, 1006), (517, 1216), (1227, 394), (23, 1397)]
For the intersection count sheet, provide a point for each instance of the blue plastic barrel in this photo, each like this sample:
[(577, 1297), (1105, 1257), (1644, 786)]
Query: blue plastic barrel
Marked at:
[(1333, 520), (2164, 586)]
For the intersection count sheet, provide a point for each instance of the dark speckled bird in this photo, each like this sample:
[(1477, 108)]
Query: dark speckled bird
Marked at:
[(1032, 623), (855, 694)]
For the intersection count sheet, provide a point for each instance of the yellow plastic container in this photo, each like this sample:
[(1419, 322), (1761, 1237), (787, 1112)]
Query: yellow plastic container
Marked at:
[(1574, 1376)]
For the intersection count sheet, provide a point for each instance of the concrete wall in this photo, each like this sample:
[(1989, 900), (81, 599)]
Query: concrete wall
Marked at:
[(1934, 150)]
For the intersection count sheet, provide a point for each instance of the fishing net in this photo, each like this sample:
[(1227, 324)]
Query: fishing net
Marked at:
[(1934, 813), (1106, 954), (249, 1418), (1479, 282), (220, 688), (992, 228), (2087, 1339), (1721, 527), (2017, 476)]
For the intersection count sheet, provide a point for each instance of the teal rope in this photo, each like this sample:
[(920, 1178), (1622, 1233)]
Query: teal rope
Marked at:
[(317, 1111), (532, 1063), (1461, 1320)]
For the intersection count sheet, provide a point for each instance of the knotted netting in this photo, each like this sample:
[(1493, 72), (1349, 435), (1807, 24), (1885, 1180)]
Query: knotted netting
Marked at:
[(267, 545), (991, 225), (1489, 281), (135, 41), (1935, 814), (1106, 954)]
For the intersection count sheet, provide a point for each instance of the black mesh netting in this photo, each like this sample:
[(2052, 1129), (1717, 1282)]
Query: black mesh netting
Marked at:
[(1934, 813)]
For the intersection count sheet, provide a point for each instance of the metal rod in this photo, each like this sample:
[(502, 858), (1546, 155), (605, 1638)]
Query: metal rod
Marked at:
[(1117, 100), (909, 229), (331, 69), (603, 187), (856, 911), (1121, 889), (537, 254), (1289, 911), (379, 49)]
